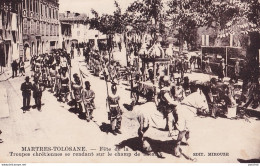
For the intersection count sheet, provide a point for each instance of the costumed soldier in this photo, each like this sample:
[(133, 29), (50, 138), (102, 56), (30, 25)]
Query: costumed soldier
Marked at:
[(135, 90), (45, 76), (37, 88), (26, 88), (88, 100), (167, 105), (115, 114), (77, 94), (63, 63), (52, 76), (57, 82), (64, 91)]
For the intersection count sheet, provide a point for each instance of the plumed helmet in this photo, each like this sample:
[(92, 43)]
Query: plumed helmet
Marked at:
[(113, 88)]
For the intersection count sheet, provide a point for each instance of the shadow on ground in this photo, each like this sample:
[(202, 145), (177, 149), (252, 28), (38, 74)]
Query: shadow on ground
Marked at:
[(249, 161)]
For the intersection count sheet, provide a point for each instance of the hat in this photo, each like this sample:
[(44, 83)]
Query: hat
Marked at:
[(27, 78), (87, 83), (75, 75)]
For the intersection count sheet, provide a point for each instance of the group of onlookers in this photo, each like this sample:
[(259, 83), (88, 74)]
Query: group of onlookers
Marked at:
[(18, 66)]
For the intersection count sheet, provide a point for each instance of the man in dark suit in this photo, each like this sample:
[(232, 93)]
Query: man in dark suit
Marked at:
[(37, 93), (14, 68), (26, 89)]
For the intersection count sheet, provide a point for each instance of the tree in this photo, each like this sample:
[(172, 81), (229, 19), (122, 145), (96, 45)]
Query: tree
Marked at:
[(185, 16), (109, 24), (147, 15)]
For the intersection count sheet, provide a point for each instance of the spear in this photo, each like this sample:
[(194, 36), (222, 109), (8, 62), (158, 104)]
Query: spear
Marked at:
[(105, 76), (81, 80)]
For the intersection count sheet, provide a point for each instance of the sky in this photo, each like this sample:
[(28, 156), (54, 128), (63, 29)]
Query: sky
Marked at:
[(85, 6)]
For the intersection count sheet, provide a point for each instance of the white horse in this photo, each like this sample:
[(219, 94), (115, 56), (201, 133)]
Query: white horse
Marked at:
[(148, 115)]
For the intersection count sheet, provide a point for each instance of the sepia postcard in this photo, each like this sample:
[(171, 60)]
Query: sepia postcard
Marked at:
[(129, 81)]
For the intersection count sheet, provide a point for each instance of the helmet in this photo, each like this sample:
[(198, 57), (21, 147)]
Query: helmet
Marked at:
[(113, 88)]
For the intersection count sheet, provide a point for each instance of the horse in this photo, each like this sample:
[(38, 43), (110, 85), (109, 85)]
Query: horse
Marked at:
[(189, 107)]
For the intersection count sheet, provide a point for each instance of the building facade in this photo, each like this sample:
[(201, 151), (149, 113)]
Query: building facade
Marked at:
[(10, 31), (40, 26), (73, 29)]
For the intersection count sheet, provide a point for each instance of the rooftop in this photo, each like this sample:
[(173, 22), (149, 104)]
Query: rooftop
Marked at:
[(69, 17)]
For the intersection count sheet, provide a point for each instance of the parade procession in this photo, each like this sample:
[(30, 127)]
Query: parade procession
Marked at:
[(163, 81)]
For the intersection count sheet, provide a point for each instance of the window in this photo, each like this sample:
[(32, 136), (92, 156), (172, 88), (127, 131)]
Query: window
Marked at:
[(46, 11), (28, 4), (38, 28), (51, 30), (28, 27), (24, 4), (48, 29), (49, 12), (25, 26), (57, 15), (37, 6), (58, 30), (31, 5), (32, 27), (41, 10), (43, 29), (78, 33)]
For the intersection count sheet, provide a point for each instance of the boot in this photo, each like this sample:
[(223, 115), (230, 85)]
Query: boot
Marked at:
[(114, 132), (118, 131)]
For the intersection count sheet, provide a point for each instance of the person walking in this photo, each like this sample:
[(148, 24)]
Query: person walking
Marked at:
[(237, 70), (14, 68), (115, 114), (222, 70), (37, 94), (26, 89), (21, 66), (72, 53), (88, 100), (77, 93)]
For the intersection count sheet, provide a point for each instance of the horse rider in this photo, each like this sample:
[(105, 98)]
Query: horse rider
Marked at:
[(77, 92), (167, 105), (115, 114), (88, 100)]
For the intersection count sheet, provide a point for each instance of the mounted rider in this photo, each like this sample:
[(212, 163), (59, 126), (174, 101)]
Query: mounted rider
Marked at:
[(166, 103)]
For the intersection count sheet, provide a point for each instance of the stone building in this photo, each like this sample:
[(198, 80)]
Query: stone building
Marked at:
[(40, 26), (10, 31), (73, 29)]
